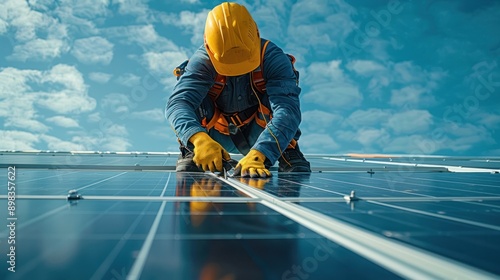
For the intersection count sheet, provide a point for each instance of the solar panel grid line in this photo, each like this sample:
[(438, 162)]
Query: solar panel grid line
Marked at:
[(443, 217), (317, 188), (484, 180), (158, 183), (106, 264), (100, 181), (174, 199), (397, 199), (408, 182), (53, 249), (130, 185), (131, 167), (245, 200), (36, 219), (459, 182), (409, 262), (448, 167), (39, 196), (229, 236), (435, 184), (43, 178), (485, 204), (137, 267), (372, 187)]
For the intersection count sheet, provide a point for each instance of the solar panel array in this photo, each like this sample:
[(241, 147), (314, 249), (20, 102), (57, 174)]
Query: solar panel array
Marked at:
[(131, 216)]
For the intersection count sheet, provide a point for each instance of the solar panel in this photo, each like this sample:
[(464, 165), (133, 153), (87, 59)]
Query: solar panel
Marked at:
[(131, 216)]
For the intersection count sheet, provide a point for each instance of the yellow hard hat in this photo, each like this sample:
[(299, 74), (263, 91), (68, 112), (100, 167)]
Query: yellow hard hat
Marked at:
[(232, 40)]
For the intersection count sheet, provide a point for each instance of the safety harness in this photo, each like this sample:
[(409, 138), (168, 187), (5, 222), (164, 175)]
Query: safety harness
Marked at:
[(230, 124)]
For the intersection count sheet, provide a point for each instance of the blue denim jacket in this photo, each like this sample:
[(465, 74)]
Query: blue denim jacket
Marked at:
[(282, 97)]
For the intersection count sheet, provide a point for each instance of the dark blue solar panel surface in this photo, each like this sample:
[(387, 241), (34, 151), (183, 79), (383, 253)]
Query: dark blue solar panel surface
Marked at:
[(167, 225)]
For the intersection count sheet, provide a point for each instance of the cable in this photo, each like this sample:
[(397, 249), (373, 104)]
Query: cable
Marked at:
[(267, 124)]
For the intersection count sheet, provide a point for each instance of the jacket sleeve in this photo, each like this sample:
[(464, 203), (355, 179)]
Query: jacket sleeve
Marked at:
[(187, 96), (283, 92)]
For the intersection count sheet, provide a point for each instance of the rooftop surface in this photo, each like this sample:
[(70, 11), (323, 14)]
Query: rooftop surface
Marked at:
[(104, 215)]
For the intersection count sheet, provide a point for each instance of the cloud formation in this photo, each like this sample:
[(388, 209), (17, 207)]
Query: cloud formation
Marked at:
[(95, 74), (93, 50)]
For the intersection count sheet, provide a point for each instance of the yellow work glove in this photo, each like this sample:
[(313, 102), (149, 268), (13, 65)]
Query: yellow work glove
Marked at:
[(252, 165), (208, 154)]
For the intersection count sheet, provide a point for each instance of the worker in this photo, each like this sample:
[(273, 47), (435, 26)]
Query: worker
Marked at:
[(238, 93)]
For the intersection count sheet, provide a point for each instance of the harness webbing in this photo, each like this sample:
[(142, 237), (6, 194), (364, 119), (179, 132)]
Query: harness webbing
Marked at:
[(220, 121)]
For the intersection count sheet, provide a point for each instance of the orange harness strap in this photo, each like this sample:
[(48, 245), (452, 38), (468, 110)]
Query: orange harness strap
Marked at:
[(219, 121)]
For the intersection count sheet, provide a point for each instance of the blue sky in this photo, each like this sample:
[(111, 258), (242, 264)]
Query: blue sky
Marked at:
[(397, 77)]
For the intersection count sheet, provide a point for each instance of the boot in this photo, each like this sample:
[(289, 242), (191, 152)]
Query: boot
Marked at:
[(185, 162), (292, 160)]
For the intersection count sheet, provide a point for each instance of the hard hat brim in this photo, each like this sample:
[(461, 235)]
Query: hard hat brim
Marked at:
[(237, 69)]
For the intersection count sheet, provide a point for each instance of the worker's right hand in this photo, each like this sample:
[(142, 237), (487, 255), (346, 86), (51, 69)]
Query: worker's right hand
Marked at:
[(208, 154), (252, 165)]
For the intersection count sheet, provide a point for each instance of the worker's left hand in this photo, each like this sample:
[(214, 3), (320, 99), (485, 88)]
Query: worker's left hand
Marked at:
[(252, 165)]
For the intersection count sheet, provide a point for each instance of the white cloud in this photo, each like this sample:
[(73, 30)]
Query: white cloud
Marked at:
[(365, 67), (407, 72), (116, 130), (18, 140), (116, 144), (191, 1), (137, 8), (317, 143), (107, 136), (27, 124), (420, 144), (347, 97), (411, 121), (319, 121), (465, 130), (329, 86), (78, 20), (412, 96), (87, 8), (54, 143), (128, 80), (3, 26), (144, 36), (39, 49), (164, 62), (154, 115), (94, 117), (370, 137), (415, 144), (369, 117), (61, 89), (63, 121), (25, 20), (319, 25), (93, 50), (100, 77), (37, 35), (410, 84), (14, 82), (194, 23), (489, 120), (116, 102), (73, 97), (15, 106), (272, 19)]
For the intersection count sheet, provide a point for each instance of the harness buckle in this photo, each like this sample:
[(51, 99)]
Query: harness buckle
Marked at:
[(235, 119), (233, 129)]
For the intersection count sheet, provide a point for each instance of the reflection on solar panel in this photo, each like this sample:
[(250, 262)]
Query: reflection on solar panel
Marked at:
[(130, 216)]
